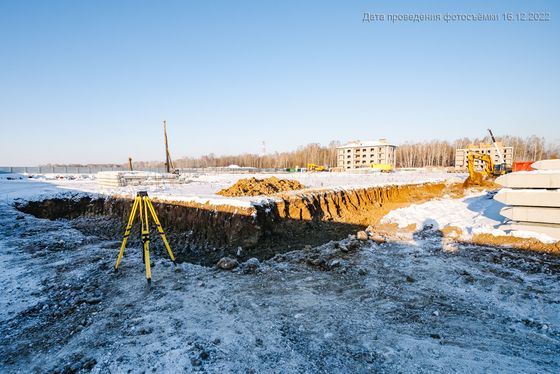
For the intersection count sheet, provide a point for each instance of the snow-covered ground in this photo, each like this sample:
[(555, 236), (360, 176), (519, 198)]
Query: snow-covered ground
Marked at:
[(202, 188), (476, 213), (339, 308)]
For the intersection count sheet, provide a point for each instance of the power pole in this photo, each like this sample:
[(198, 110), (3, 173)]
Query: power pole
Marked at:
[(168, 162)]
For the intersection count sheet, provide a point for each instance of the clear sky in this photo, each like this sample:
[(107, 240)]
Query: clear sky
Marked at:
[(92, 81)]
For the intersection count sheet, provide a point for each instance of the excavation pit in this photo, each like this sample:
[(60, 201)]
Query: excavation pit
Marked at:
[(204, 233)]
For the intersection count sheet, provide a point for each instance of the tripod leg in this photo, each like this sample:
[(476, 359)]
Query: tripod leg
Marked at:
[(146, 237), (127, 231), (160, 230)]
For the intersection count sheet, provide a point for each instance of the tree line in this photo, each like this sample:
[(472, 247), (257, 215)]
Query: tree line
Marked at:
[(442, 153), (313, 153), (420, 154), (439, 153)]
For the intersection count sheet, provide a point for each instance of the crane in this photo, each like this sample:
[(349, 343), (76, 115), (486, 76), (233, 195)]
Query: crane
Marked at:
[(502, 165)]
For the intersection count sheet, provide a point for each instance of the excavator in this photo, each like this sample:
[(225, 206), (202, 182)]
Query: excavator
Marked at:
[(475, 177), (490, 171)]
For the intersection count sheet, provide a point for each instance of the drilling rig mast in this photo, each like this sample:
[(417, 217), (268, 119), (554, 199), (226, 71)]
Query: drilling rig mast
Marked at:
[(168, 161)]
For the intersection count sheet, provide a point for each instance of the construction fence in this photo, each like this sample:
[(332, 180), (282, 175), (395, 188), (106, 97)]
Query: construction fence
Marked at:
[(96, 169)]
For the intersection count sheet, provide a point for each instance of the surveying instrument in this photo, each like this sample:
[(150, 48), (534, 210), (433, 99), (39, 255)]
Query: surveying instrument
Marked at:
[(143, 205)]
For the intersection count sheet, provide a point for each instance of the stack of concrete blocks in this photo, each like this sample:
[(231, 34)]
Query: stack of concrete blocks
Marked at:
[(133, 178), (533, 199)]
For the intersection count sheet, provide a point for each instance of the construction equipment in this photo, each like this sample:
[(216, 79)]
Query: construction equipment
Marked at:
[(475, 177), (490, 171), (168, 162), (385, 168), (501, 167), (143, 205), (315, 167)]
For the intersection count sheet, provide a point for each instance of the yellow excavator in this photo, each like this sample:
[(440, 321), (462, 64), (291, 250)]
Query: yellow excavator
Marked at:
[(475, 177), (490, 171)]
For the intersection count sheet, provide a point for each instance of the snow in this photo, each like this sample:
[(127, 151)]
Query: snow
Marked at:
[(382, 308), (529, 190), (202, 188), (366, 143), (476, 213), (537, 171), (378, 308)]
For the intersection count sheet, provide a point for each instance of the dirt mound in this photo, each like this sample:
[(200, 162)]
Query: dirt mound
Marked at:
[(514, 242), (255, 187), (478, 180)]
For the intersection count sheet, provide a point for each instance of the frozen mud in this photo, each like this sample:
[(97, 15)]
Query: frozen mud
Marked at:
[(346, 306)]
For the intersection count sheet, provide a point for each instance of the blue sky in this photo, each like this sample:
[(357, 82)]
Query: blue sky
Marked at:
[(91, 81)]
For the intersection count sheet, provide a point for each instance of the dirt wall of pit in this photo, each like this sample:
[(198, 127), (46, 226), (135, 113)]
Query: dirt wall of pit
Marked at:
[(203, 233)]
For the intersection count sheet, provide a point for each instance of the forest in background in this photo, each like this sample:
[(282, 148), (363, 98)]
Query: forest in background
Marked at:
[(430, 153), (442, 153)]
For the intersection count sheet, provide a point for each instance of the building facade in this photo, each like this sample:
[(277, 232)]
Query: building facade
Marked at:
[(358, 155), (489, 149)]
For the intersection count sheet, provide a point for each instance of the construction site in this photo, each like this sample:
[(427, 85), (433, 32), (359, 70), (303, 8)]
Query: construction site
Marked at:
[(279, 187), (384, 270)]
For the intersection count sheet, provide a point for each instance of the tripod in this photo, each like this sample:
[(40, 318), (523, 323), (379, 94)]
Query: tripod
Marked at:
[(143, 204)]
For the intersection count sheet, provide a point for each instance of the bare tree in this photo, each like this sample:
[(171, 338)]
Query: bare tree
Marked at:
[(432, 153)]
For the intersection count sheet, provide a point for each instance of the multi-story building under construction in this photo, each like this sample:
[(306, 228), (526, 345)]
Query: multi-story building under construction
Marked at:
[(489, 149)]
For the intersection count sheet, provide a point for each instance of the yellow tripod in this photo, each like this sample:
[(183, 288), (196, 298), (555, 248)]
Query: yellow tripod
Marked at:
[(143, 204)]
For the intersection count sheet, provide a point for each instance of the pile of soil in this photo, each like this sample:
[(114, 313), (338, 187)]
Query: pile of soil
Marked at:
[(480, 181), (530, 244), (255, 187)]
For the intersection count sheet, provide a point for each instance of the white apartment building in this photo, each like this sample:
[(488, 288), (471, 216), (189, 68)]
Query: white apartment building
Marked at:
[(489, 149), (358, 154)]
